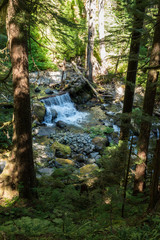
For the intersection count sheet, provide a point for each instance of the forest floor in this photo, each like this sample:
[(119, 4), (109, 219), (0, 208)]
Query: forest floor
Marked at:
[(68, 208)]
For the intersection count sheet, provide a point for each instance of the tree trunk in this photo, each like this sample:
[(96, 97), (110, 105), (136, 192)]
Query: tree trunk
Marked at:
[(154, 195), (132, 69), (102, 37), (18, 177), (148, 107), (91, 13)]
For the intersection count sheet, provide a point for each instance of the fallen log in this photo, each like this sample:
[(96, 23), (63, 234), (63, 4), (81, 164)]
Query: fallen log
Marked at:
[(86, 80)]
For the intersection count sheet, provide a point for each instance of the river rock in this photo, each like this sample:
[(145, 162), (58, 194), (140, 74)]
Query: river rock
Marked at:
[(79, 158), (49, 91), (61, 150), (94, 154), (61, 124), (64, 161), (37, 90), (54, 113), (38, 111)]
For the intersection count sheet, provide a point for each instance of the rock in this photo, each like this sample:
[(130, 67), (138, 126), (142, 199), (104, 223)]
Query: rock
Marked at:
[(61, 150), (44, 171), (54, 113), (80, 158), (61, 124), (91, 160), (97, 111), (100, 143), (64, 161), (37, 90), (38, 111), (49, 91), (93, 154)]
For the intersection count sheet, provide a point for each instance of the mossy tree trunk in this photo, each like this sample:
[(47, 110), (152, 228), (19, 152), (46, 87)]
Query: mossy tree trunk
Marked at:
[(18, 177), (148, 106)]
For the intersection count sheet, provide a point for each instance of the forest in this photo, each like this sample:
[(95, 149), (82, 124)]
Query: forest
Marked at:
[(79, 120)]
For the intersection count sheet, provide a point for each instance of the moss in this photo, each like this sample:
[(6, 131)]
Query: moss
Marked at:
[(38, 111), (88, 169), (64, 161), (63, 149)]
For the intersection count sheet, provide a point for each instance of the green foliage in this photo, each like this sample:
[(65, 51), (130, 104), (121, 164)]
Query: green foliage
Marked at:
[(40, 57), (70, 39), (99, 131), (64, 212), (112, 163)]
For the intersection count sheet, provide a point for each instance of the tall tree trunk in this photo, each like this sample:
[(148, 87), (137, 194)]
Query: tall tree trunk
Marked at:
[(18, 177), (91, 14), (132, 69), (148, 107), (154, 195), (102, 36)]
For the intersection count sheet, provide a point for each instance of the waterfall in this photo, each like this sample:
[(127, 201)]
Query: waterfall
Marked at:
[(62, 108)]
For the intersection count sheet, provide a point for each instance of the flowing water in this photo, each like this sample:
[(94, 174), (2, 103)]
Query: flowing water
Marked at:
[(65, 109)]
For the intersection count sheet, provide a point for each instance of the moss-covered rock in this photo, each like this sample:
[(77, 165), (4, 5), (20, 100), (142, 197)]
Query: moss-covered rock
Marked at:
[(65, 161), (38, 111), (61, 150), (100, 143)]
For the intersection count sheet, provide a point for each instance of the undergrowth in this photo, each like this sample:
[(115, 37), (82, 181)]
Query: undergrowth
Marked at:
[(64, 211)]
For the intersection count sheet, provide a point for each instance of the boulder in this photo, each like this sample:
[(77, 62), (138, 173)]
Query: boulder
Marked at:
[(100, 143), (61, 150), (37, 90), (65, 161), (49, 91), (44, 172), (54, 114), (38, 111), (61, 124), (80, 158)]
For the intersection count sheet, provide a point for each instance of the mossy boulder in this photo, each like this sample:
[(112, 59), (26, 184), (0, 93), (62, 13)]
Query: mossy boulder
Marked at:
[(38, 111), (100, 143), (65, 161), (61, 150)]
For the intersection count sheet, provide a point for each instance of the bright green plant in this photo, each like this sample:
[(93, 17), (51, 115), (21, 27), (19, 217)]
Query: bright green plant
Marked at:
[(99, 131)]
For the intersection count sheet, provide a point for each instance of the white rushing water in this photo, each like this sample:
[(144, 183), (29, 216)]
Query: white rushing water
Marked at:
[(65, 109)]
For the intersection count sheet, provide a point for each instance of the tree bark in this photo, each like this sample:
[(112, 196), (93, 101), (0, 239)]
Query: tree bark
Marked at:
[(91, 13), (154, 195), (102, 37), (148, 106), (132, 69), (18, 177)]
